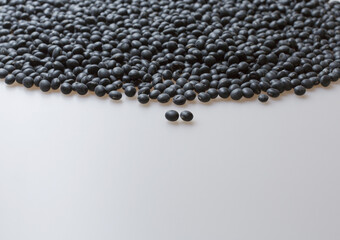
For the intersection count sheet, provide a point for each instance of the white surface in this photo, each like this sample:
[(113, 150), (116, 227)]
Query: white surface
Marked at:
[(87, 168)]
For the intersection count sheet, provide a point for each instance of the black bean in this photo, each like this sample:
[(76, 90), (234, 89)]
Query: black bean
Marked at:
[(223, 92), (325, 80), (190, 95), (45, 85), (55, 83), (299, 90), (213, 93), (100, 91), (66, 88), (247, 92), (28, 82), (263, 98), (20, 77), (154, 94), (10, 79), (115, 95), (81, 89), (204, 97), (143, 98), (187, 116), (163, 98), (103, 73), (3, 73), (130, 91), (307, 83), (236, 94), (179, 100), (172, 115), (274, 93)]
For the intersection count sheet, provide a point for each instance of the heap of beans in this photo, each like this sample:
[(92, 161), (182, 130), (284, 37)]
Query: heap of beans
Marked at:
[(171, 49)]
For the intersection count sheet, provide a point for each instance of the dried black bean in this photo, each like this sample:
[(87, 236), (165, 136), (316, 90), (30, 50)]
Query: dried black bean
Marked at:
[(115, 95), (172, 115), (187, 116), (263, 98), (143, 98)]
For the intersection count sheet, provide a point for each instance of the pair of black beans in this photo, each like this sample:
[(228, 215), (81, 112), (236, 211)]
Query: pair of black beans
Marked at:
[(173, 116)]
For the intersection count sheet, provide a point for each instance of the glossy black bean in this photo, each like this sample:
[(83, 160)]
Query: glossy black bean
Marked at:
[(66, 88), (143, 98), (100, 91), (236, 94), (263, 98), (187, 116), (172, 115), (115, 95), (45, 85), (299, 90), (163, 98), (179, 99)]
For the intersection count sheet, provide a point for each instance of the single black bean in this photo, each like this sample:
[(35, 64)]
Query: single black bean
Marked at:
[(143, 98), (163, 98), (179, 99), (236, 94), (100, 91), (187, 116), (3, 73), (45, 85), (115, 95), (263, 98), (130, 91), (172, 115), (28, 82), (299, 90), (66, 88)]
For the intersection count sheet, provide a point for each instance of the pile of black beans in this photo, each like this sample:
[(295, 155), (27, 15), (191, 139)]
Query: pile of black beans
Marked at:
[(170, 49)]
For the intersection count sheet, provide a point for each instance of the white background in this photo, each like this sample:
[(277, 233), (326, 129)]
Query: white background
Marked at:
[(86, 168)]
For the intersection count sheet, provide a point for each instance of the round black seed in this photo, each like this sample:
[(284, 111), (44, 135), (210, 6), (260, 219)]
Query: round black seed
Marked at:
[(187, 116), (163, 98), (66, 88), (44, 85), (103, 73), (130, 91), (154, 94), (325, 80), (55, 83), (143, 98), (190, 95), (81, 89), (179, 100), (299, 90), (223, 92), (247, 92), (213, 93), (115, 95), (3, 73), (100, 91), (203, 97), (236, 94), (263, 98), (274, 93), (307, 83), (28, 82), (20, 77), (10, 79), (172, 115)]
